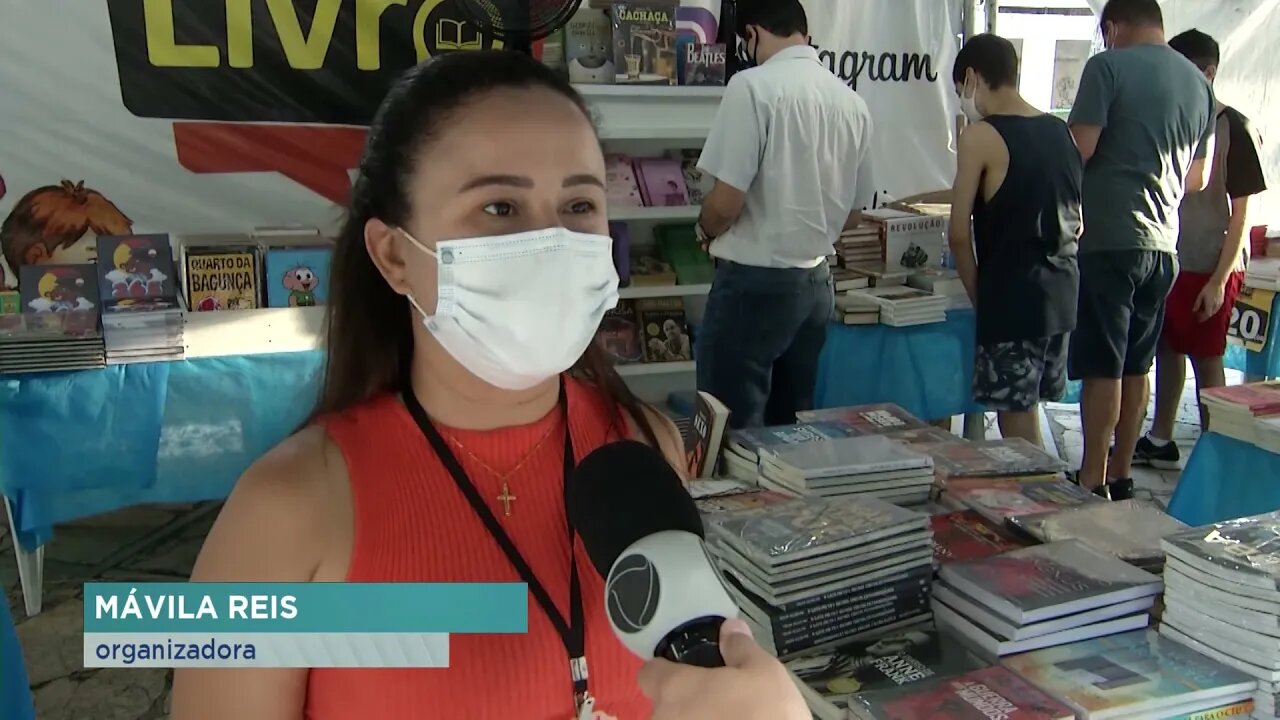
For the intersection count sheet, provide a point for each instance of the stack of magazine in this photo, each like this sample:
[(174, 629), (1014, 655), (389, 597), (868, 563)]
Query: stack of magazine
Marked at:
[(50, 341), (1013, 457), (1223, 598), (1136, 676), (1249, 413), (898, 306), (1042, 596), (815, 572), (868, 466)]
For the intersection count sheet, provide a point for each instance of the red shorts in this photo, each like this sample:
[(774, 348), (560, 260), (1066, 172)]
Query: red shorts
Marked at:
[(1183, 331)]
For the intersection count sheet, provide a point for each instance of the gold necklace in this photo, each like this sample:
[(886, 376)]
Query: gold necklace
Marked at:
[(506, 498)]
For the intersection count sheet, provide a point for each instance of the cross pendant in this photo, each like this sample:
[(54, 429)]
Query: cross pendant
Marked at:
[(506, 498)]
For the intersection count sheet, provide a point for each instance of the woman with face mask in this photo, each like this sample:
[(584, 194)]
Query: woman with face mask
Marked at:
[(462, 385)]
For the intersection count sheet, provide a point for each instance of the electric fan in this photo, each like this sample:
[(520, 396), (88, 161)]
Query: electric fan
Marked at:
[(518, 23)]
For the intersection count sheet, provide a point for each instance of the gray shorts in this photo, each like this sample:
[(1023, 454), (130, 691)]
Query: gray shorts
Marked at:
[(1019, 375)]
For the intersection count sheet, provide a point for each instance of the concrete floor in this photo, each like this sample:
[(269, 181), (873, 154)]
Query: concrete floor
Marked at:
[(161, 543)]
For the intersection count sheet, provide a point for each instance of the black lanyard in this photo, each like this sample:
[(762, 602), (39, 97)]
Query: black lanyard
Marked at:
[(573, 632)]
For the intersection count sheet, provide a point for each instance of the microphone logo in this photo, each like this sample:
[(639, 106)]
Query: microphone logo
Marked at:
[(633, 590)]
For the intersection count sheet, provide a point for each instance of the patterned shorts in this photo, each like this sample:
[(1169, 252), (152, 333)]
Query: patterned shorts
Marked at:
[(1018, 375)]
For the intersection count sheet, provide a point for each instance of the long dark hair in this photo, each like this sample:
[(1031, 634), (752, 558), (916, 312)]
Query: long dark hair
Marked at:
[(369, 335)]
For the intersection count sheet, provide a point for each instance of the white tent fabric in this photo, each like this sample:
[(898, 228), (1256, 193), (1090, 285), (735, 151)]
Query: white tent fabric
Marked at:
[(1248, 76)]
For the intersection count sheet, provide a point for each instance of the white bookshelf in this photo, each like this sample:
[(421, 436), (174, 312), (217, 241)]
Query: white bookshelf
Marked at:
[(683, 213), (664, 291), (646, 121)]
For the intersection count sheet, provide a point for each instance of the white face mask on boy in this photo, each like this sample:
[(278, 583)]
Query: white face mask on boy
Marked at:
[(516, 310)]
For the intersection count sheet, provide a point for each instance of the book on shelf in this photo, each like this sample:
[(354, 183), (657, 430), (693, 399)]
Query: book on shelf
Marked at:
[(1132, 675), (219, 271), (982, 694), (697, 182), (297, 276), (664, 330), (588, 47), (661, 182), (644, 41), (703, 64), (649, 271), (58, 288), (621, 185), (136, 267), (620, 232), (10, 302), (619, 334)]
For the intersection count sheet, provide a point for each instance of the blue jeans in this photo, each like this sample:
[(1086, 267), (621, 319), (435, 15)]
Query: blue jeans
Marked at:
[(760, 340)]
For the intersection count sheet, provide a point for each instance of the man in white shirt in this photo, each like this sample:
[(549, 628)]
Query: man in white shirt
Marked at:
[(789, 151)]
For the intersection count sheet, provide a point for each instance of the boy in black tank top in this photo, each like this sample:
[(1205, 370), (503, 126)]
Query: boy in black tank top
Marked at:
[(1018, 181)]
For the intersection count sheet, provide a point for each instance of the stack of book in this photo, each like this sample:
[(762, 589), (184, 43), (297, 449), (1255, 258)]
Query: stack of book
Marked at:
[(1042, 596), (811, 572), (898, 306), (854, 311), (50, 341), (1263, 272), (143, 331), (943, 282), (832, 681), (1008, 458), (1131, 530), (1223, 598), (1249, 413), (860, 246), (1136, 676), (869, 465), (912, 240), (879, 274), (846, 280), (744, 448)]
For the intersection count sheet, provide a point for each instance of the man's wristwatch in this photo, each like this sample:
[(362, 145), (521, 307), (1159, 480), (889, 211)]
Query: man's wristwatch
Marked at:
[(703, 237)]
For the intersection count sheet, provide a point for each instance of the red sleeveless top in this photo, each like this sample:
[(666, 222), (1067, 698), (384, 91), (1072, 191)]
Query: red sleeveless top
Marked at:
[(413, 524)]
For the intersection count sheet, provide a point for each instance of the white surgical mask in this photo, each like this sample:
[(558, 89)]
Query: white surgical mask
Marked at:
[(518, 309), (969, 105)]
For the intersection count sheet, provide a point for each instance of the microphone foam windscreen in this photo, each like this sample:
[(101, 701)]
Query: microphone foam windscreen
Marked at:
[(622, 492)]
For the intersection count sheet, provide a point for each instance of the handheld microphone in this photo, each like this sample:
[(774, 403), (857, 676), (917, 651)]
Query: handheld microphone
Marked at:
[(663, 595)]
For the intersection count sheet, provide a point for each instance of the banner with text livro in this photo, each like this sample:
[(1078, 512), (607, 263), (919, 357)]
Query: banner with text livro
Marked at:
[(303, 625), (225, 115)]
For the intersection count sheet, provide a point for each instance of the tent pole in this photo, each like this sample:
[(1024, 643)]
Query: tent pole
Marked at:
[(970, 18), (993, 12)]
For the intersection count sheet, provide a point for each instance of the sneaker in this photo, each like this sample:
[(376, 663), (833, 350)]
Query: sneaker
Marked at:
[(1158, 457), (1102, 491), (1111, 490), (1120, 489)]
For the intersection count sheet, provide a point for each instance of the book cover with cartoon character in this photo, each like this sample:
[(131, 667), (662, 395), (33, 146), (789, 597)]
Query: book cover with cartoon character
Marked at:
[(298, 276), (222, 279), (58, 288), (136, 267), (57, 225), (588, 47)]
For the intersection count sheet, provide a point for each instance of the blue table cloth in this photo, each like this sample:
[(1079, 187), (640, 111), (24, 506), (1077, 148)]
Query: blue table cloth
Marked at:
[(15, 691), (1226, 479), (81, 443), (926, 369)]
